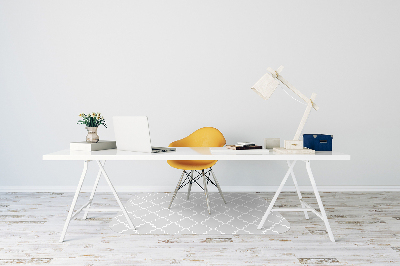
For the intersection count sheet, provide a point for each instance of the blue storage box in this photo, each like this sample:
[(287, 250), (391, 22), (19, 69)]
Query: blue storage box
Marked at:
[(318, 142)]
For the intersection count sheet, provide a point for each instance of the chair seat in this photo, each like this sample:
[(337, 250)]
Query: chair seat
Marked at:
[(191, 164)]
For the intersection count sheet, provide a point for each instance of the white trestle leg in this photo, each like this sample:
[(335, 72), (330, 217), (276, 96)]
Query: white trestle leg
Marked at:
[(128, 219), (71, 209), (93, 192), (87, 205), (321, 206), (304, 206), (298, 190), (271, 205)]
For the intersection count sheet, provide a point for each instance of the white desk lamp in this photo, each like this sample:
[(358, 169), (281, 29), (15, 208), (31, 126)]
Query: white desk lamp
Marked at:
[(265, 87)]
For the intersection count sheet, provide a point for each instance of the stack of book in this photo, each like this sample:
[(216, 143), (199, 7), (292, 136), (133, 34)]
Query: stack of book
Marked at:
[(244, 146), (239, 148)]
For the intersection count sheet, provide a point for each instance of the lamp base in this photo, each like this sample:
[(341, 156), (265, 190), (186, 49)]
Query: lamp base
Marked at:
[(293, 151)]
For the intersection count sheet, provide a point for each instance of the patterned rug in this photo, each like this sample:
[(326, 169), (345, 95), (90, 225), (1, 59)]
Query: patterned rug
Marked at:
[(150, 214)]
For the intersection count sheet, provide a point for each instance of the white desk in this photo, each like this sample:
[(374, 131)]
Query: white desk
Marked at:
[(194, 154)]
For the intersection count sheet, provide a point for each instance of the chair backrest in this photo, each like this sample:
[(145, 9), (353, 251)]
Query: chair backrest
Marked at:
[(203, 137)]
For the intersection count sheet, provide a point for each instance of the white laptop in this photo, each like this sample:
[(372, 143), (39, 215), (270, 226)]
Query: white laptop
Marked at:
[(132, 133)]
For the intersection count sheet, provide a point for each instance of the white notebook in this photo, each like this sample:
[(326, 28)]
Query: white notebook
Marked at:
[(88, 146)]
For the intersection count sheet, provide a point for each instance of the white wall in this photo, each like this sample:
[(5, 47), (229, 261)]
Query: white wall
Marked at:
[(190, 64)]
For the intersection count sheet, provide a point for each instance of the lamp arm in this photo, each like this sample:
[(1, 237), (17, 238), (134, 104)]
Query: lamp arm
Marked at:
[(310, 102), (304, 118), (290, 86), (276, 75)]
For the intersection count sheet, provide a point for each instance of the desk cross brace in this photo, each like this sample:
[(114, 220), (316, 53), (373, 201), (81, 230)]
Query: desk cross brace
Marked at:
[(86, 206), (305, 207)]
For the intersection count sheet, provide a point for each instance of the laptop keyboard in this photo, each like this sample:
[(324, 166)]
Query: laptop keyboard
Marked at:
[(161, 149)]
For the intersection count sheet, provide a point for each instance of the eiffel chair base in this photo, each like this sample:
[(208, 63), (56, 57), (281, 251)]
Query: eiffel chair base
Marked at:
[(191, 179)]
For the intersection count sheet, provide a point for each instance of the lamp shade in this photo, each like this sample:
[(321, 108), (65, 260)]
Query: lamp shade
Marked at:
[(265, 86)]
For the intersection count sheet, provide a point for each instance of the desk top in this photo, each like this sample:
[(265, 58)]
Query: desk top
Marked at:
[(192, 153)]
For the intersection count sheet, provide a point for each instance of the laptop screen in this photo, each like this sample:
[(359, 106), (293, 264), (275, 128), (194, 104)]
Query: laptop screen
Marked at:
[(132, 133)]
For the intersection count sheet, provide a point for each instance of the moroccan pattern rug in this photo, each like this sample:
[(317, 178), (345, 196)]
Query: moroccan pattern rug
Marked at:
[(150, 214)]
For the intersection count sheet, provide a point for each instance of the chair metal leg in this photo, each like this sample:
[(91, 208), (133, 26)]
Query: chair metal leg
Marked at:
[(206, 191), (190, 184), (176, 189), (216, 182)]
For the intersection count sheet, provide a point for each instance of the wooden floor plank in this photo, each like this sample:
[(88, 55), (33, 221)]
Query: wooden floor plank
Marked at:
[(366, 227)]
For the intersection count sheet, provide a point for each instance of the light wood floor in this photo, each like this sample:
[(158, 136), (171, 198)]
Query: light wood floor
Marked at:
[(366, 227)]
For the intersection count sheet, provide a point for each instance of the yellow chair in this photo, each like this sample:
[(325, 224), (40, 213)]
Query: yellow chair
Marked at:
[(203, 137)]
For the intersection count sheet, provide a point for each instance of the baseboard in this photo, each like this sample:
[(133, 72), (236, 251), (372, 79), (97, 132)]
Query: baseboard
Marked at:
[(194, 189)]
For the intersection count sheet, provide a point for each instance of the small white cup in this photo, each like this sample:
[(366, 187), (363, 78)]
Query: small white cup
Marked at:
[(270, 143)]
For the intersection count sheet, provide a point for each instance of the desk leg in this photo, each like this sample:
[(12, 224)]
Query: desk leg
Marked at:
[(264, 218), (93, 191), (116, 196), (298, 191), (305, 207), (71, 209), (321, 206)]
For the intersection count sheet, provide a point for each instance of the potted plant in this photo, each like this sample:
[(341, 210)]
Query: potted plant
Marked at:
[(92, 122)]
